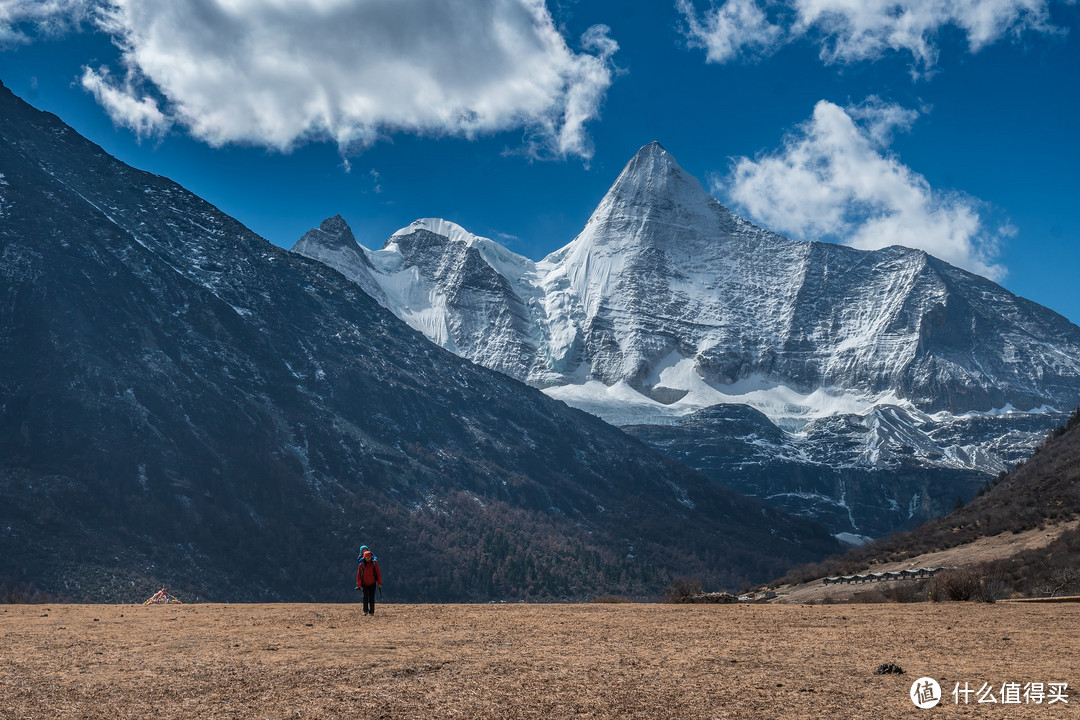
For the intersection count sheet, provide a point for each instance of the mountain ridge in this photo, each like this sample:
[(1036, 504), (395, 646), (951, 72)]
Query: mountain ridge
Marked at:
[(915, 330), (668, 303), (182, 402)]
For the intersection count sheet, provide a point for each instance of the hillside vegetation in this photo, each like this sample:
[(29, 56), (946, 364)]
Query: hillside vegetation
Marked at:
[(1041, 492)]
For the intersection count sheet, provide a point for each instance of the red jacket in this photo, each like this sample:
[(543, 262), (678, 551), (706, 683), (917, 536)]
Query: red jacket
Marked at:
[(368, 571)]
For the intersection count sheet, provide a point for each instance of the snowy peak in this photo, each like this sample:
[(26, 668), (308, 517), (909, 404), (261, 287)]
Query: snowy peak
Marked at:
[(670, 297), (653, 177), (658, 256), (432, 245), (451, 231), (655, 203), (651, 167), (334, 244), (462, 291), (654, 210), (443, 234), (333, 233)]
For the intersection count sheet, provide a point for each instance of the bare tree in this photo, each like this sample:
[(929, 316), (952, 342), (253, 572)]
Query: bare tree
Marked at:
[(1061, 581)]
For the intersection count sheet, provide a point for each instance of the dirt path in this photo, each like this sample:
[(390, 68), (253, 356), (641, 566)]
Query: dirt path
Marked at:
[(524, 661)]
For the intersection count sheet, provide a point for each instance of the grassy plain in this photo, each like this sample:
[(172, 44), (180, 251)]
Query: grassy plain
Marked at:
[(526, 661)]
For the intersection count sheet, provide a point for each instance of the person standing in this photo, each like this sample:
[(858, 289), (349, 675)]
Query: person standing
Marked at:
[(368, 578)]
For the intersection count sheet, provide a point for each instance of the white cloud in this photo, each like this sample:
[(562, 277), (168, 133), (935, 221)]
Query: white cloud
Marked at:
[(854, 30), (121, 100), (737, 27), (278, 73), (588, 81), (49, 17), (834, 179)]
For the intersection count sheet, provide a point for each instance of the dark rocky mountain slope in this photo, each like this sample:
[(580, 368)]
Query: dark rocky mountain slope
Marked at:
[(183, 402)]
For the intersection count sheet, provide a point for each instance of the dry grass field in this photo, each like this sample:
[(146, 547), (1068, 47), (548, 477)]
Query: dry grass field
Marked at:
[(526, 661)]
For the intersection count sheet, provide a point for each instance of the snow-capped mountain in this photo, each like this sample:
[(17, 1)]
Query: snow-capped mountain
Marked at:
[(667, 303), (672, 291), (669, 292), (182, 401)]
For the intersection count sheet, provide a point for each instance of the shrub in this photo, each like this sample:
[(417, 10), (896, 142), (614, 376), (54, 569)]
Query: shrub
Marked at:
[(681, 589), (610, 599), (962, 584), (957, 584), (905, 591), (991, 590), (869, 597)]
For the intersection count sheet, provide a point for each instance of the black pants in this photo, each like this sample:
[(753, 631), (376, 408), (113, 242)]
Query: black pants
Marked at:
[(369, 598)]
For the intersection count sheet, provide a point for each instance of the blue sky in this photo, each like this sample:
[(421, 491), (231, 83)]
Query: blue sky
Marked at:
[(948, 126)]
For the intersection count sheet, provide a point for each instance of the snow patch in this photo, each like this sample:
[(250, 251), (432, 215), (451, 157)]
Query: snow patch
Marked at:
[(852, 539), (913, 505), (621, 404), (1007, 411), (617, 404)]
